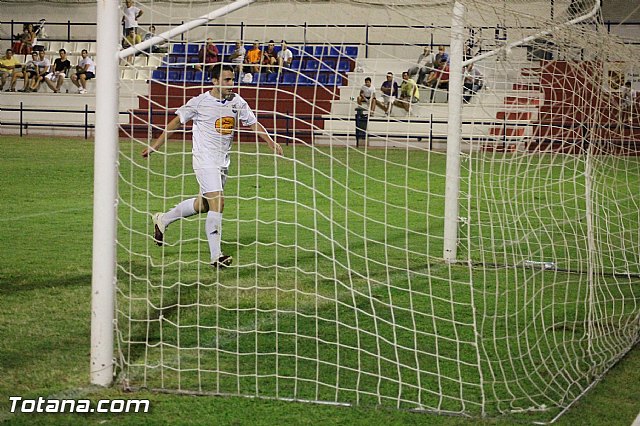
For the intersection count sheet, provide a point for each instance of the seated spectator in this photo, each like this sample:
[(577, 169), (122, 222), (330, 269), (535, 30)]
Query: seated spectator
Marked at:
[(155, 48), (285, 56), (44, 66), (208, 56), (254, 58), (409, 93), (439, 79), (28, 39), (28, 72), (424, 66), (59, 70), (237, 58), (367, 94), (85, 70), (441, 56), (472, 82), (131, 39), (389, 91), (8, 64), (270, 57)]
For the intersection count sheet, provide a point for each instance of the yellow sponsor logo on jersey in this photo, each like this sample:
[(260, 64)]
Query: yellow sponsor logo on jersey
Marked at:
[(225, 125)]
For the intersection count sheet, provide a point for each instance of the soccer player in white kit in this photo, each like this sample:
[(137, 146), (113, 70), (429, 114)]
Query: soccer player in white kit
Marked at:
[(214, 115)]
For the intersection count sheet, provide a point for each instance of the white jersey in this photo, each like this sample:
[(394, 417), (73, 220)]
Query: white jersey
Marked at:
[(214, 121), (85, 61)]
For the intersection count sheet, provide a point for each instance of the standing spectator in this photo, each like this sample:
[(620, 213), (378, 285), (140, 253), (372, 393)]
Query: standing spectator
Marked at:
[(130, 17), (237, 58), (424, 66), (28, 72), (270, 57), (215, 115), (389, 91), (628, 98), (254, 57), (207, 56), (367, 94), (409, 93), (7, 66), (439, 79), (44, 67), (285, 56), (85, 70), (472, 82), (58, 72), (441, 56)]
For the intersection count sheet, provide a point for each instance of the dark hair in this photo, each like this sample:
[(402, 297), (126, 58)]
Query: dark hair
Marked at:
[(62, 50), (9, 50), (218, 68), (367, 79)]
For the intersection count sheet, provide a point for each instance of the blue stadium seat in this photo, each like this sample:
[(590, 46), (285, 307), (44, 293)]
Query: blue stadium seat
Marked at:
[(344, 66), (178, 48), (196, 77), (328, 65), (322, 79), (334, 80), (159, 75), (193, 49), (271, 78), (308, 50), (311, 65), (175, 76), (304, 80), (295, 64), (351, 51), (320, 51), (332, 51), (289, 78)]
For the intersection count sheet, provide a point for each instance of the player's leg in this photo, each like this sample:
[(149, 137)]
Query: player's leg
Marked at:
[(212, 183)]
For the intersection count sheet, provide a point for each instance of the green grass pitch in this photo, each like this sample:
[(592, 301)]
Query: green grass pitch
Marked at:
[(331, 269)]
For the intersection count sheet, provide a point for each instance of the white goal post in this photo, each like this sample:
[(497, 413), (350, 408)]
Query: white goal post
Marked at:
[(467, 245)]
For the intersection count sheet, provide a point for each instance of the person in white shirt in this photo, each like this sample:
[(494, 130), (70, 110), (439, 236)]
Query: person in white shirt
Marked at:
[(473, 82), (425, 65), (86, 70), (628, 98), (285, 56), (215, 115), (43, 66), (367, 94), (131, 15), (237, 58)]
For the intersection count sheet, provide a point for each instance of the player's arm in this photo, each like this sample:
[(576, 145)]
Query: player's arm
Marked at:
[(262, 133), (160, 140)]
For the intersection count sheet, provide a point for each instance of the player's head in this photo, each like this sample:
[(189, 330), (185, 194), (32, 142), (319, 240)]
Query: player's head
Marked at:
[(367, 81), (222, 79)]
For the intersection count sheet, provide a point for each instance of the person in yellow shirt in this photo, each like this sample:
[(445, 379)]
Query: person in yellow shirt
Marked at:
[(7, 65), (409, 93)]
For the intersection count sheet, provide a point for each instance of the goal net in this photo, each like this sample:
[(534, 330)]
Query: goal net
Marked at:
[(339, 291)]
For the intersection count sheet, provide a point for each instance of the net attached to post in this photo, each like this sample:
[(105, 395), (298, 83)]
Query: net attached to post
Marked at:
[(338, 292)]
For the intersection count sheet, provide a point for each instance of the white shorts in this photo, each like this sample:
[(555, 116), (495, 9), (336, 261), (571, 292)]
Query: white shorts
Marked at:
[(211, 179)]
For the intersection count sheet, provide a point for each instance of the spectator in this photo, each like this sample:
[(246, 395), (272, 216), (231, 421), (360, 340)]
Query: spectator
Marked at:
[(132, 38), (439, 79), (28, 72), (28, 39), (367, 94), (155, 48), (285, 56), (85, 70), (253, 58), (441, 56), (472, 82), (207, 56), (270, 57), (130, 18), (44, 67), (409, 93), (389, 91), (424, 66), (237, 58), (628, 98), (8, 64), (58, 72)]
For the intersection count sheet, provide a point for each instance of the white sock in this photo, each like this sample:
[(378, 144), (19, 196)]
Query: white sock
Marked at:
[(213, 227), (182, 210)]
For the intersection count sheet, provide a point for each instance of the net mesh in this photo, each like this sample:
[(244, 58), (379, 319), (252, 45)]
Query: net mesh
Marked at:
[(338, 292)]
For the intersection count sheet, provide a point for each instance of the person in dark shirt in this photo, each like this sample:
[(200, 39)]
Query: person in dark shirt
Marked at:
[(58, 72), (389, 91)]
